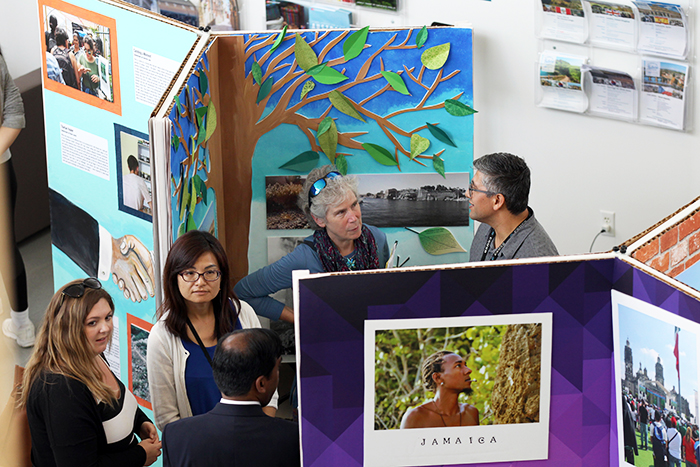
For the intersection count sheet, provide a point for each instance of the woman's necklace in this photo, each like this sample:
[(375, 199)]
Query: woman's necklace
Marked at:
[(443, 419)]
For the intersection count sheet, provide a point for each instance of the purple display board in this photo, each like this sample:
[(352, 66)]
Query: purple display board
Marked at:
[(582, 431)]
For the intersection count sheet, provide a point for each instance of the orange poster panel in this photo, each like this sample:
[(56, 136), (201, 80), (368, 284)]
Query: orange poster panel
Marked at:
[(137, 332), (80, 47)]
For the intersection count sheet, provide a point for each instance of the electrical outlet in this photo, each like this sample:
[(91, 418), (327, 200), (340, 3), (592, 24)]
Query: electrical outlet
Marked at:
[(607, 223)]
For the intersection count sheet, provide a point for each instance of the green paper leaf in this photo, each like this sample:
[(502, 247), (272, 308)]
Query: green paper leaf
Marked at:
[(179, 106), (265, 89), (435, 57), (344, 105), (328, 140), (182, 230), (279, 40), (203, 82), (324, 126), (315, 69), (304, 54), (456, 108), (193, 196), (328, 75), (201, 188), (201, 135), (439, 165), (185, 198), (211, 120), (439, 241), (422, 37), (304, 162), (396, 82), (341, 163), (440, 134), (190, 223), (379, 154), (200, 112), (418, 145), (353, 45), (308, 87), (256, 71), (175, 142)]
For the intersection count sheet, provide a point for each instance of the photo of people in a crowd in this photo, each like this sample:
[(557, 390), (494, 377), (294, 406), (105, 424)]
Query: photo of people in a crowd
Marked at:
[(657, 368), (78, 54)]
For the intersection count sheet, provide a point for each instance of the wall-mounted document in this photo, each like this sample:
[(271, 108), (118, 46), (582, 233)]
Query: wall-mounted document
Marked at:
[(560, 81), (564, 20), (612, 25), (663, 29), (611, 93), (663, 94)]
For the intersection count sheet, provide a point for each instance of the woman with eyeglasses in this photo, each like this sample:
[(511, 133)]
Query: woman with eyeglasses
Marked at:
[(90, 80), (199, 307), (79, 413), (341, 242)]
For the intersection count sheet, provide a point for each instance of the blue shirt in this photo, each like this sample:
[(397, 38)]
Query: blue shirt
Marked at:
[(199, 379), (255, 288), (53, 69)]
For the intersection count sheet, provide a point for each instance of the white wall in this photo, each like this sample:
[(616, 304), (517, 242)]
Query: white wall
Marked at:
[(580, 164), (19, 36)]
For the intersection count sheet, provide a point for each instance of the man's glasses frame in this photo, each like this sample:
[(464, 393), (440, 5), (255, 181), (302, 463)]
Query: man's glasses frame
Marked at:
[(472, 189)]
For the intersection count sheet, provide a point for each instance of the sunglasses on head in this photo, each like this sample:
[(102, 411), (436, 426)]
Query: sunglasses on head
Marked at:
[(321, 183), (78, 290)]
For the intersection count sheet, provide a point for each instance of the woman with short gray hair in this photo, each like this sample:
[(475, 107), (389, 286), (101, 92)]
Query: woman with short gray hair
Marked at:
[(341, 242)]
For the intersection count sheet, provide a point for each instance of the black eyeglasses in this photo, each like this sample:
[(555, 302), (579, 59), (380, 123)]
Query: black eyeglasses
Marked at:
[(78, 290), (321, 183), (472, 189), (193, 276)]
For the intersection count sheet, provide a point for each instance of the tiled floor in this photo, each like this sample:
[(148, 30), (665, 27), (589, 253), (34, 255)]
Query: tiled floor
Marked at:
[(36, 252)]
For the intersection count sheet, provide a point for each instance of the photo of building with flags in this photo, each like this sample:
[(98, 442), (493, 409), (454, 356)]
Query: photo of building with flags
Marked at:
[(660, 363)]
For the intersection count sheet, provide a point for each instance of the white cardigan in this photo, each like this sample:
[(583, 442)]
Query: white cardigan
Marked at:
[(166, 358)]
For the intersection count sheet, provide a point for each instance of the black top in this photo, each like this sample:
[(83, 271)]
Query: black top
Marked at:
[(66, 425)]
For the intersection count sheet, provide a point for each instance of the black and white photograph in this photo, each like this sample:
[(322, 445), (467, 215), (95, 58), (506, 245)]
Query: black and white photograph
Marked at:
[(414, 200)]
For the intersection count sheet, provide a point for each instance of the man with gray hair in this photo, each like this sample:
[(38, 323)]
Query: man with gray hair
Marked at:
[(498, 197)]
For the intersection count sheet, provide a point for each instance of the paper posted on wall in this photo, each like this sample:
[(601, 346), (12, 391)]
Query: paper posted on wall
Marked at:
[(611, 93), (560, 81), (564, 20), (663, 94), (662, 29), (612, 25)]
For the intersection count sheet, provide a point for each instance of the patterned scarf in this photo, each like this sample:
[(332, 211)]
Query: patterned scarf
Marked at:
[(364, 256)]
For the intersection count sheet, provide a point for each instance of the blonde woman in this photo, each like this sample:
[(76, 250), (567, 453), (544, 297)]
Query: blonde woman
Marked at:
[(79, 413)]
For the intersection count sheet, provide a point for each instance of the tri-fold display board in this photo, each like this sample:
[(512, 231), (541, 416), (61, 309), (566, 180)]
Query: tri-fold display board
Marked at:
[(545, 340)]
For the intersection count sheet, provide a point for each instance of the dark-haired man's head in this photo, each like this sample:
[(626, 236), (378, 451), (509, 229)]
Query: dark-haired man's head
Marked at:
[(133, 164), (53, 23), (246, 364), (508, 175), (61, 37)]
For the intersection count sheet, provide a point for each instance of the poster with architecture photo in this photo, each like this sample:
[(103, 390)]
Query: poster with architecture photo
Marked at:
[(656, 367)]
